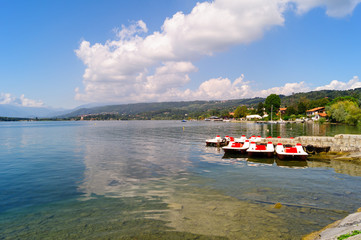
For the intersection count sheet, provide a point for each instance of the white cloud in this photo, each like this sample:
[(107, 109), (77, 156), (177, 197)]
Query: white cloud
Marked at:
[(224, 88), (7, 98), (120, 70), (338, 85), (287, 89), (128, 33), (334, 8), (155, 67)]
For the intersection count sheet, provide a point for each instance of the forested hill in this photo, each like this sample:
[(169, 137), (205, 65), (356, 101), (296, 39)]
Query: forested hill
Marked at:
[(166, 107), (315, 95), (178, 110)]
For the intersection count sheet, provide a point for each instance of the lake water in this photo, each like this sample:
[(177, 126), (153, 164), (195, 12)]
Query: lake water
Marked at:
[(158, 180)]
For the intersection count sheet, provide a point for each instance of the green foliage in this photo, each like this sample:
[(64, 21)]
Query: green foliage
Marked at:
[(343, 99), (272, 100), (293, 117), (11, 119), (214, 112), (302, 107), (225, 113), (323, 96), (345, 236), (322, 102), (241, 112), (339, 114), (322, 120), (345, 111), (290, 111), (354, 116), (260, 108)]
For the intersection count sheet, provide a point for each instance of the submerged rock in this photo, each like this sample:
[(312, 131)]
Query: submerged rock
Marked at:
[(277, 205)]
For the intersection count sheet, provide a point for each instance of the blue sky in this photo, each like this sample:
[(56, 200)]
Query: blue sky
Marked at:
[(69, 53)]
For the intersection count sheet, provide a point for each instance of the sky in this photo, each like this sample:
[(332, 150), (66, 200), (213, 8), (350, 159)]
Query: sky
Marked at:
[(65, 53)]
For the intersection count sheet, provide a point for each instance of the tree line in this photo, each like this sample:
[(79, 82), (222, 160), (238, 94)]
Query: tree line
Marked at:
[(345, 109)]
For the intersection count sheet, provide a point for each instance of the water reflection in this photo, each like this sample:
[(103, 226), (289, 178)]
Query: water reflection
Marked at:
[(292, 164), (122, 159), (165, 180), (306, 129), (264, 161), (352, 168)]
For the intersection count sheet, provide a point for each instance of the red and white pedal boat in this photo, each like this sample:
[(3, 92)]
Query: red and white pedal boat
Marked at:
[(217, 141), (233, 147), (296, 152), (242, 139), (255, 139), (236, 147), (261, 150)]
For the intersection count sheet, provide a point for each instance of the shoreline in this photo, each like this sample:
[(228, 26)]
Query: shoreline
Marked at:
[(339, 228)]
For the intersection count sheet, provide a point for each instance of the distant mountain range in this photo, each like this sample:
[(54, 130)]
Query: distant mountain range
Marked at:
[(14, 111), (7, 110), (163, 108)]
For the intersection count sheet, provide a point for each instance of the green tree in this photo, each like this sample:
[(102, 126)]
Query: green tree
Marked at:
[(290, 111), (225, 113), (260, 109), (302, 107), (272, 100), (240, 112), (322, 102), (354, 116), (214, 112), (343, 99), (344, 111)]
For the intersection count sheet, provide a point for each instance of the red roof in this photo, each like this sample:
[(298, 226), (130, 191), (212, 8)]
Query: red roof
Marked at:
[(316, 109), (322, 114)]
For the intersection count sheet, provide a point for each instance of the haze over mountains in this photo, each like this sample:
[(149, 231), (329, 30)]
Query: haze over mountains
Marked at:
[(8, 110)]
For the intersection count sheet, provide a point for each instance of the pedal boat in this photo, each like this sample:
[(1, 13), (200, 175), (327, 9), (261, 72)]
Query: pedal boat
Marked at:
[(261, 150), (236, 147), (216, 142), (296, 152), (242, 139), (255, 139)]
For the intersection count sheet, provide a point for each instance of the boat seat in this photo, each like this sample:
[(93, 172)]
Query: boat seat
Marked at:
[(261, 147), (291, 150)]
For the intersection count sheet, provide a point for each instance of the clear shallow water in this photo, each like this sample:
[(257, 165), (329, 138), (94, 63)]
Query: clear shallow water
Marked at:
[(154, 179)]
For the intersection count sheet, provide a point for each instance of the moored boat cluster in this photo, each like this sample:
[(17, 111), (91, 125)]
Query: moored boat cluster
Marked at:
[(253, 147)]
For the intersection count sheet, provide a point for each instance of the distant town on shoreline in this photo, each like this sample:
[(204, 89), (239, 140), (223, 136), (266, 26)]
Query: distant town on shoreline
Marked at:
[(324, 105)]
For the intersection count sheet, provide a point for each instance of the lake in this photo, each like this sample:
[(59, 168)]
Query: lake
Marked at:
[(158, 180)]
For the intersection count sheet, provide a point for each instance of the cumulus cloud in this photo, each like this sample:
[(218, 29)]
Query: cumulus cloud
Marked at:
[(7, 98), (121, 69), (135, 68), (338, 85), (287, 89), (224, 88)]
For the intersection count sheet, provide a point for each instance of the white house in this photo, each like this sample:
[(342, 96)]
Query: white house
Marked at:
[(249, 117)]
